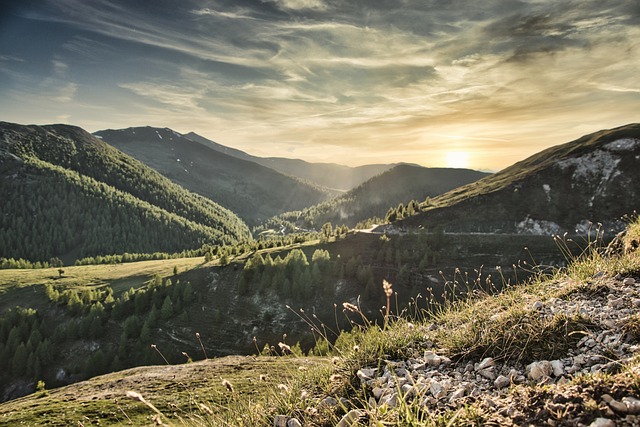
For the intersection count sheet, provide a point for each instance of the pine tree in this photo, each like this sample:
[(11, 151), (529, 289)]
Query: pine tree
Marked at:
[(20, 358), (167, 308), (145, 333), (187, 293)]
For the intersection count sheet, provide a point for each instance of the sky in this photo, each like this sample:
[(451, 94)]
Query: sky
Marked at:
[(457, 83)]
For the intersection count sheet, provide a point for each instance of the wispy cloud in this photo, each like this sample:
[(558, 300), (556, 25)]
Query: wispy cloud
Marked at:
[(332, 78), (613, 88), (221, 14), (300, 4)]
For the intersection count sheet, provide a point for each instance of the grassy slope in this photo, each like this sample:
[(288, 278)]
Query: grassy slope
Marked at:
[(177, 391), (533, 165), (18, 286)]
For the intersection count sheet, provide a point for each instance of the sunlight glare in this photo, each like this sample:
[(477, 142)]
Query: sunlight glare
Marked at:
[(457, 159)]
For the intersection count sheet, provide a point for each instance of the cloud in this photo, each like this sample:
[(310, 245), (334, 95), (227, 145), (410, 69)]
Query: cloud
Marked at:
[(346, 76), (301, 4), (221, 14), (613, 88), (64, 93), (59, 67), (10, 58)]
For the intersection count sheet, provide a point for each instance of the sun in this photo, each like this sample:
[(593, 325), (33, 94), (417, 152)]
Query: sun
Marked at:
[(457, 159)]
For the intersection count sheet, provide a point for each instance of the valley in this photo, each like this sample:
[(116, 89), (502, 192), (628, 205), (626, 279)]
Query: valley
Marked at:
[(241, 307), (319, 213), (157, 247)]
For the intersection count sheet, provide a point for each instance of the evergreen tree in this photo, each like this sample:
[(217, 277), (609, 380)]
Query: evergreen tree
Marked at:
[(167, 308), (20, 359)]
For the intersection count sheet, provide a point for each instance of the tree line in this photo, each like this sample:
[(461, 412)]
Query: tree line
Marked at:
[(57, 212)]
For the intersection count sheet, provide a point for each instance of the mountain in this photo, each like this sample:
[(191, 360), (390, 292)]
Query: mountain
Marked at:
[(329, 175), (67, 194), (373, 198), (563, 188), (252, 191)]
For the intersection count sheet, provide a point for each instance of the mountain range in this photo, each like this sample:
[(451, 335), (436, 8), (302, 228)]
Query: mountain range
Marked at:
[(131, 180), (70, 194), (253, 191), (329, 175)]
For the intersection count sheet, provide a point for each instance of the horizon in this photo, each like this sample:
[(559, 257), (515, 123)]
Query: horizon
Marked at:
[(439, 85)]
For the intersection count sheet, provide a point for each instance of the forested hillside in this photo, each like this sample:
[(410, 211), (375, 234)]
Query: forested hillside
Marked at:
[(67, 194), (375, 197), (254, 192)]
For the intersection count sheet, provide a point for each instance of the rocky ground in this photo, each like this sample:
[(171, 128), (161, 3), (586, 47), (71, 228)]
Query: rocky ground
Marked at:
[(596, 382)]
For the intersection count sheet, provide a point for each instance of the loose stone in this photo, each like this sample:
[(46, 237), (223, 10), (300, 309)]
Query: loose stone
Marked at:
[(432, 359), (616, 302), (437, 390), (351, 418), (632, 404), (489, 373), (407, 390), (280, 421), (458, 394), (487, 362), (558, 368), (372, 403), (366, 374), (618, 407), (502, 382), (391, 400), (378, 392), (328, 401), (539, 370), (602, 422), (293, 422)]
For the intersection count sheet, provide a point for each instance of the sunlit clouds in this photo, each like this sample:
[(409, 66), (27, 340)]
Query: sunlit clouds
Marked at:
[(349, 82)]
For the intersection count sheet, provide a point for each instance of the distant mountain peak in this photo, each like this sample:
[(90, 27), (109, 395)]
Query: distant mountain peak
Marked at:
[(251, 190)]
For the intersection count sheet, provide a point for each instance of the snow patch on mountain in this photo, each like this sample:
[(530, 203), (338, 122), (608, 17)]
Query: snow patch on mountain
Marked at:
[(547, 190), (623, 145), (598, 164)]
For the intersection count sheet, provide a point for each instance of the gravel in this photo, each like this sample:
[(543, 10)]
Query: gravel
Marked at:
[(439, 384)]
